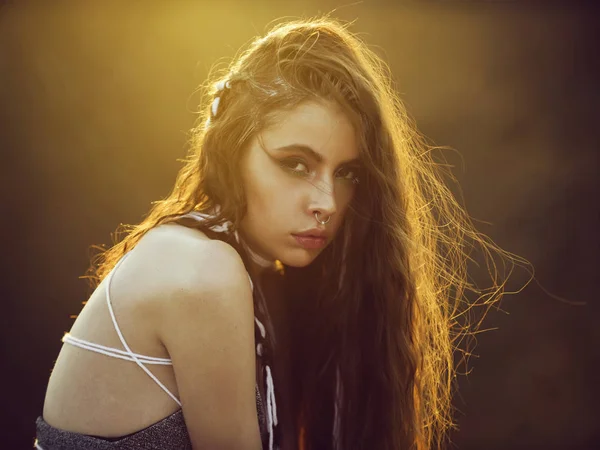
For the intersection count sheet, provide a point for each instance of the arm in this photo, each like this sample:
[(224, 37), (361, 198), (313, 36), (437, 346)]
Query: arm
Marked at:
[(207, 325)]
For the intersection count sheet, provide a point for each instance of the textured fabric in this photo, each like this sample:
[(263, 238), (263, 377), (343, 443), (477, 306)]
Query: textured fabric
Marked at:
[(170, 433)]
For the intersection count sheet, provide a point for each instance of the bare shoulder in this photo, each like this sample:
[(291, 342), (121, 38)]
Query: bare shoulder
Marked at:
[(183, 248), (177, 275), (184, 268), (206, 323), (171, 261)]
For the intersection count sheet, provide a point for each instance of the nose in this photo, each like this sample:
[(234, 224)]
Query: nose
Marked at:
[(322, 199)]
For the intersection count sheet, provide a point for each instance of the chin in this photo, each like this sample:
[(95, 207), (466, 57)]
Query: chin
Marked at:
[(299, 258)]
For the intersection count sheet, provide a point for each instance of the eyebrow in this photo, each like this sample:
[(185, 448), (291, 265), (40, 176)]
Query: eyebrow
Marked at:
[(311, 153)]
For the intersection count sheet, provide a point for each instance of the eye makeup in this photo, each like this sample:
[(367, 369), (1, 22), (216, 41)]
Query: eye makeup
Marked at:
[(290, 164)]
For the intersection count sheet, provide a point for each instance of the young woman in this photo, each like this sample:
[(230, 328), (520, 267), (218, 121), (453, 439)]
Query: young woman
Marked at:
[(298, 288)]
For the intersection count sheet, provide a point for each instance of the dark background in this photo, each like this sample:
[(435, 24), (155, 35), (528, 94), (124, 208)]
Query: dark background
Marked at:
[(96, 100)]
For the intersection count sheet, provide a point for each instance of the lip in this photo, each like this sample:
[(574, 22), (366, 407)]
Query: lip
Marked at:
[(310, 242), (313, 232)]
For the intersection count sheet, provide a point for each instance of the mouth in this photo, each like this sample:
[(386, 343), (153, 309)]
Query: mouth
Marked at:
[(310, 242)]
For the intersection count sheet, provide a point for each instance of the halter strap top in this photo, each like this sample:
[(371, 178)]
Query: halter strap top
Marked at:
[(170, 432)]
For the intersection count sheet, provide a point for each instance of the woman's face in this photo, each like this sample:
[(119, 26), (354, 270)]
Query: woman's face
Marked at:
[(306, 162)]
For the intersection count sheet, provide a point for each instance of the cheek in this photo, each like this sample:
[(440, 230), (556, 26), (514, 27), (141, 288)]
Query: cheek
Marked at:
[(344, 197), (256, 180), (264, 193)]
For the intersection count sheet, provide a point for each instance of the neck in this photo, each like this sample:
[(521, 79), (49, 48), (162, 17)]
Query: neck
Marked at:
[(258, 263)]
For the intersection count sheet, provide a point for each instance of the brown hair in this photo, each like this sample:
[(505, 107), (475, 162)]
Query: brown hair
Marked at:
[(387, 305)]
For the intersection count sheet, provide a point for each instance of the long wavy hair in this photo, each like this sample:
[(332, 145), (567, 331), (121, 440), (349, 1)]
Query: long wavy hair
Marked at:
[(380, 314)]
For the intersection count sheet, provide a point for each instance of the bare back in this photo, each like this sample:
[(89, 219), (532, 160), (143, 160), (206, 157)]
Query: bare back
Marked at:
[(90, 393), (93, 394)]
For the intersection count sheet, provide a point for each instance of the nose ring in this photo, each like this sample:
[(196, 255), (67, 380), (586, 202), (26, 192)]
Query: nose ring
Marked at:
[(317, 213)]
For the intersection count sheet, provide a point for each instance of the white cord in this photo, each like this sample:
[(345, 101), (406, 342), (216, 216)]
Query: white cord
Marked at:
[(113, 352), (271, 405), (118, 330)]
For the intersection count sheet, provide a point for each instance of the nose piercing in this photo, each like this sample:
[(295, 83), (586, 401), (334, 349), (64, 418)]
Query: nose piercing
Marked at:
[(317, 213)]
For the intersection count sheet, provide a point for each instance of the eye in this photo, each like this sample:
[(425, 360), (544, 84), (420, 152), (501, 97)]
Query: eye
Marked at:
[(296, 166), (349, 174)]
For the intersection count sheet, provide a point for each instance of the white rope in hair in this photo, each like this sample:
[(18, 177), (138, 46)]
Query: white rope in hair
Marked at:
[(221, 85)]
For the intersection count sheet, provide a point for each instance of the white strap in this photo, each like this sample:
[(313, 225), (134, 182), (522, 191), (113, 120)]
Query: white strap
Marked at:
[(261, 327), (201, 217), (271, 406), (251, 283), (113, 352), (38, 446), (271, 403), (118, 330)]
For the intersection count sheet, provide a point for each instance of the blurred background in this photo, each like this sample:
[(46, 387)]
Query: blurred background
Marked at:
[(96, 99)]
